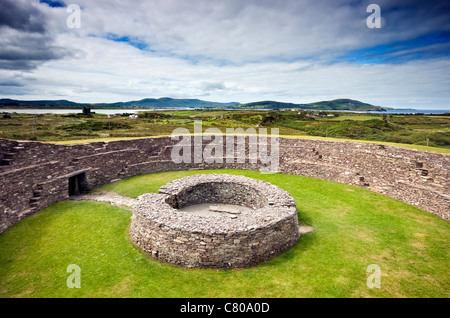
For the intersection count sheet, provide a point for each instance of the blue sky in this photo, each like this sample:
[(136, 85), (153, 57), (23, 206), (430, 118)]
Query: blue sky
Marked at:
[(130, 40), (53, 4), (227, 50), (429, 46)]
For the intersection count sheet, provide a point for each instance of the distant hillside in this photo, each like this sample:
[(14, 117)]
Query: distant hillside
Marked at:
[(344, 104), (166, 102), (144, 103), (337, 104), (38, 103)]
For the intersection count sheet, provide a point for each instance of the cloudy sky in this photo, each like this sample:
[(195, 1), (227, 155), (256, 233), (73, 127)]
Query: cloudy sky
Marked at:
[(227, 50)]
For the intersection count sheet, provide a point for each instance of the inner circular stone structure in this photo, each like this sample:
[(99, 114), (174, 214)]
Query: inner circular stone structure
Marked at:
[(215, 221)]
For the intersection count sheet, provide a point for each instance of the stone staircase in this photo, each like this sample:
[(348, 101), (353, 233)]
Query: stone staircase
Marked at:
[(8, 157), (36, 198)]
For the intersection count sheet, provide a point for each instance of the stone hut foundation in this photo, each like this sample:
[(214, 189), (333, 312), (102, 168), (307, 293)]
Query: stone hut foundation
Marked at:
[(226, 237)]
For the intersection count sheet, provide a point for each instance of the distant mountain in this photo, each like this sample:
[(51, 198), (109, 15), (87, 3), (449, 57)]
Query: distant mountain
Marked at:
[(167, 102), (337, 104), (164, 102), (344, 104), (38, 103)]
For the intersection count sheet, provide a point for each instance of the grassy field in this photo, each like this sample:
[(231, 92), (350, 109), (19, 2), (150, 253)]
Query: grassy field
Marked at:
[(357, 117), (353, 228), (417, 130)]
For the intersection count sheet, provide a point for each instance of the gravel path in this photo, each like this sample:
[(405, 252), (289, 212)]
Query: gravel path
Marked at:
[(112, 198)]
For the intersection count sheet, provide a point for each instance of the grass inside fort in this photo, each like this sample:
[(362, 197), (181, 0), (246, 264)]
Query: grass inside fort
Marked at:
[(353, 228)]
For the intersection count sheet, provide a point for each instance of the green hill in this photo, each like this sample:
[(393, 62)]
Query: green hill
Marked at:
[(337, 104), (38, 103), (166, 102)]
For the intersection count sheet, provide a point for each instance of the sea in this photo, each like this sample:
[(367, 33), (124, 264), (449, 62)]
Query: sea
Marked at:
[(131, 111), (78, 111), (413, 111), (399, 111)]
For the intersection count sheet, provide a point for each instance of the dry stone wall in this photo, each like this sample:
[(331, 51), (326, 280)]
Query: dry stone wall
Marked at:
[(216, 240), (34, 175)]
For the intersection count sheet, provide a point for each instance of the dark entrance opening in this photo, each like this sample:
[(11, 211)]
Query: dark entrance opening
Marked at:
[(77, 184)]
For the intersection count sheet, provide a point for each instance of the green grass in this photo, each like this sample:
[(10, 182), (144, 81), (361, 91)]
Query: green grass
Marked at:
[(409, 146), (417, 130), (356, 117), (417, 147), (353, 228)]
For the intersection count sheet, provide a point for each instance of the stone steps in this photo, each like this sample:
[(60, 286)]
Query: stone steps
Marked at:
[(8, 157), (6, 162), (34, 201)]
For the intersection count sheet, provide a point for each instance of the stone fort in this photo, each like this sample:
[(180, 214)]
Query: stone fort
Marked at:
[(35, 175)]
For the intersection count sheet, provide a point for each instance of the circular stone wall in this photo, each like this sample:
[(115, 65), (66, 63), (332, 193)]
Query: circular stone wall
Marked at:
[(227, 235)]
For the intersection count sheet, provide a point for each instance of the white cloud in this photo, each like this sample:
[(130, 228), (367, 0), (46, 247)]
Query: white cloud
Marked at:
[(227, 51), (112, 71)]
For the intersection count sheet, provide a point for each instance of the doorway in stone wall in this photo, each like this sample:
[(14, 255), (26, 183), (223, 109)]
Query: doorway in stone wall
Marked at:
[(77, 184)]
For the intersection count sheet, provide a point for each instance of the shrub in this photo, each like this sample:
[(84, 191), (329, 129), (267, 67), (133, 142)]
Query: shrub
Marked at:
[(96, 126)]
